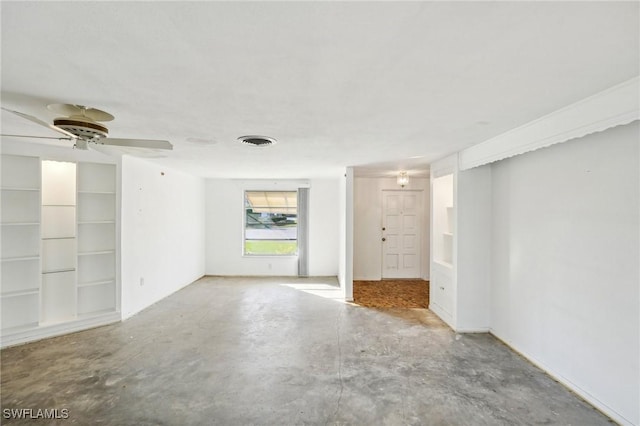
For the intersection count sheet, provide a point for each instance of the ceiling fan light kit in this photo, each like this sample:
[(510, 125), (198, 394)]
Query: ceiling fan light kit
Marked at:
[(81, 125)]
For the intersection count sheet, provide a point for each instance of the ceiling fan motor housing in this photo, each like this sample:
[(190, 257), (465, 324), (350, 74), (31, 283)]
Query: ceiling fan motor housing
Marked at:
[(82, 127)]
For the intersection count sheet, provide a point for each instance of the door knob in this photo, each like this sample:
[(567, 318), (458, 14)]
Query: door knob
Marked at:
[(384, 229), (384, 239)]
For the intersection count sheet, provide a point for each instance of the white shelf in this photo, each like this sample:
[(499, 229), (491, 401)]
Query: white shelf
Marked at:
[(95, 283), (96, 207), (4, 188), (21, 224), (20, 259), (20, 311), (97, 222), (96, 267), (58, 254), (18, 293), (96, 313), (20, 243), (97, 192), (96, 237), (58, 221), (96, 178), (96, 298), (443, 263), (95, 253), (20, 172), (21, 275), (58, 271), (449, 220), (20, 207), (58, 297)]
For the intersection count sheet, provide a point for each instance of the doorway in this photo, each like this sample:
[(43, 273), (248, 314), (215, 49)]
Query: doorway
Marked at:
[(401, 234)]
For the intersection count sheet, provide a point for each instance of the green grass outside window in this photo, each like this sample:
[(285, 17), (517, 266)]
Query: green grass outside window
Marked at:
[(270, 247)]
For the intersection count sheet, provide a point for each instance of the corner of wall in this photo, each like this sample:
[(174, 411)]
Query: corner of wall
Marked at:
[(162, 232)]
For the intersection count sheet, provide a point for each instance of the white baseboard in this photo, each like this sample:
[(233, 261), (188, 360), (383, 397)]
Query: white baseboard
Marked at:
[(473, 330), (138, 309), (44, 332), (591, 399), (442, 314)]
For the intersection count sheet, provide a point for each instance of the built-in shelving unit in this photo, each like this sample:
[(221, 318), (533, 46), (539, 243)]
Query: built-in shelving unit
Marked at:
[(443, 219), (96, 238), (58, 298), (447, 238), (59, 239), (443, 238), (460, 200), (20, 242)]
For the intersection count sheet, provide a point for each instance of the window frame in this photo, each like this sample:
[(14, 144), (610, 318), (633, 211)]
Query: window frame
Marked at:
[(244, 225)]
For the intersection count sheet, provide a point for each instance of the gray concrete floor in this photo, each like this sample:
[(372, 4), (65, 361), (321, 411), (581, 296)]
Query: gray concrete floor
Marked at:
[(240, 351)]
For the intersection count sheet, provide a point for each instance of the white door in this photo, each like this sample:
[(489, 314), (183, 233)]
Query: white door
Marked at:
[(401, 214)]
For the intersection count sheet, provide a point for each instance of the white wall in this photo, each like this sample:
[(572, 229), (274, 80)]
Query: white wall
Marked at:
[(565, 251), (323, 227), (367, 245), (163, 229), (346, 212), (224, 230), (473, 249)]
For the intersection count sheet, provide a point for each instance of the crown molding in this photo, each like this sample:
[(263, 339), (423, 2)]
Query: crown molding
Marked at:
[(612, 107), (445, 166)]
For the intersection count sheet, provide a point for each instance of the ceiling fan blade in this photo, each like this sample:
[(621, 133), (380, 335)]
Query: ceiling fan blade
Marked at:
[(119, 151), (105, 149), (40, 122), (136, 143), (37, 137)]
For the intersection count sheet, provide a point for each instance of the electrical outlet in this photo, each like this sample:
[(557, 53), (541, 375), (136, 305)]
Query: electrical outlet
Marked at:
[(141, 282)]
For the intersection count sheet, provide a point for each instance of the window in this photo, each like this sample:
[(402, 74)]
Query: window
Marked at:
[(271, 223)]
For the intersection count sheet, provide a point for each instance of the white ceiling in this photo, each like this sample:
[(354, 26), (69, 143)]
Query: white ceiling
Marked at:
[(383, 85)]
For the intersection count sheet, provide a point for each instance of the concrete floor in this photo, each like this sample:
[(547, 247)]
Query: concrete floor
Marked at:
[(239, 351)]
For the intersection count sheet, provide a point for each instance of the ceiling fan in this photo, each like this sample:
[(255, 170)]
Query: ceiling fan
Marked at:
[(83, 126)]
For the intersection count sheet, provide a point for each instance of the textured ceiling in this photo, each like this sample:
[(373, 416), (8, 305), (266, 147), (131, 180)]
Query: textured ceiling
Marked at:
[(382, 86)]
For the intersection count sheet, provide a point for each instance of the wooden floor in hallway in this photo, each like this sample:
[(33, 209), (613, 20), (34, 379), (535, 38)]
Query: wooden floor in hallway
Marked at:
[(391, 293)]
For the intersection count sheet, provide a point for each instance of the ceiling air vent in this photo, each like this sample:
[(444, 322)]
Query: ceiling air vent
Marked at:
[(257, 140)]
